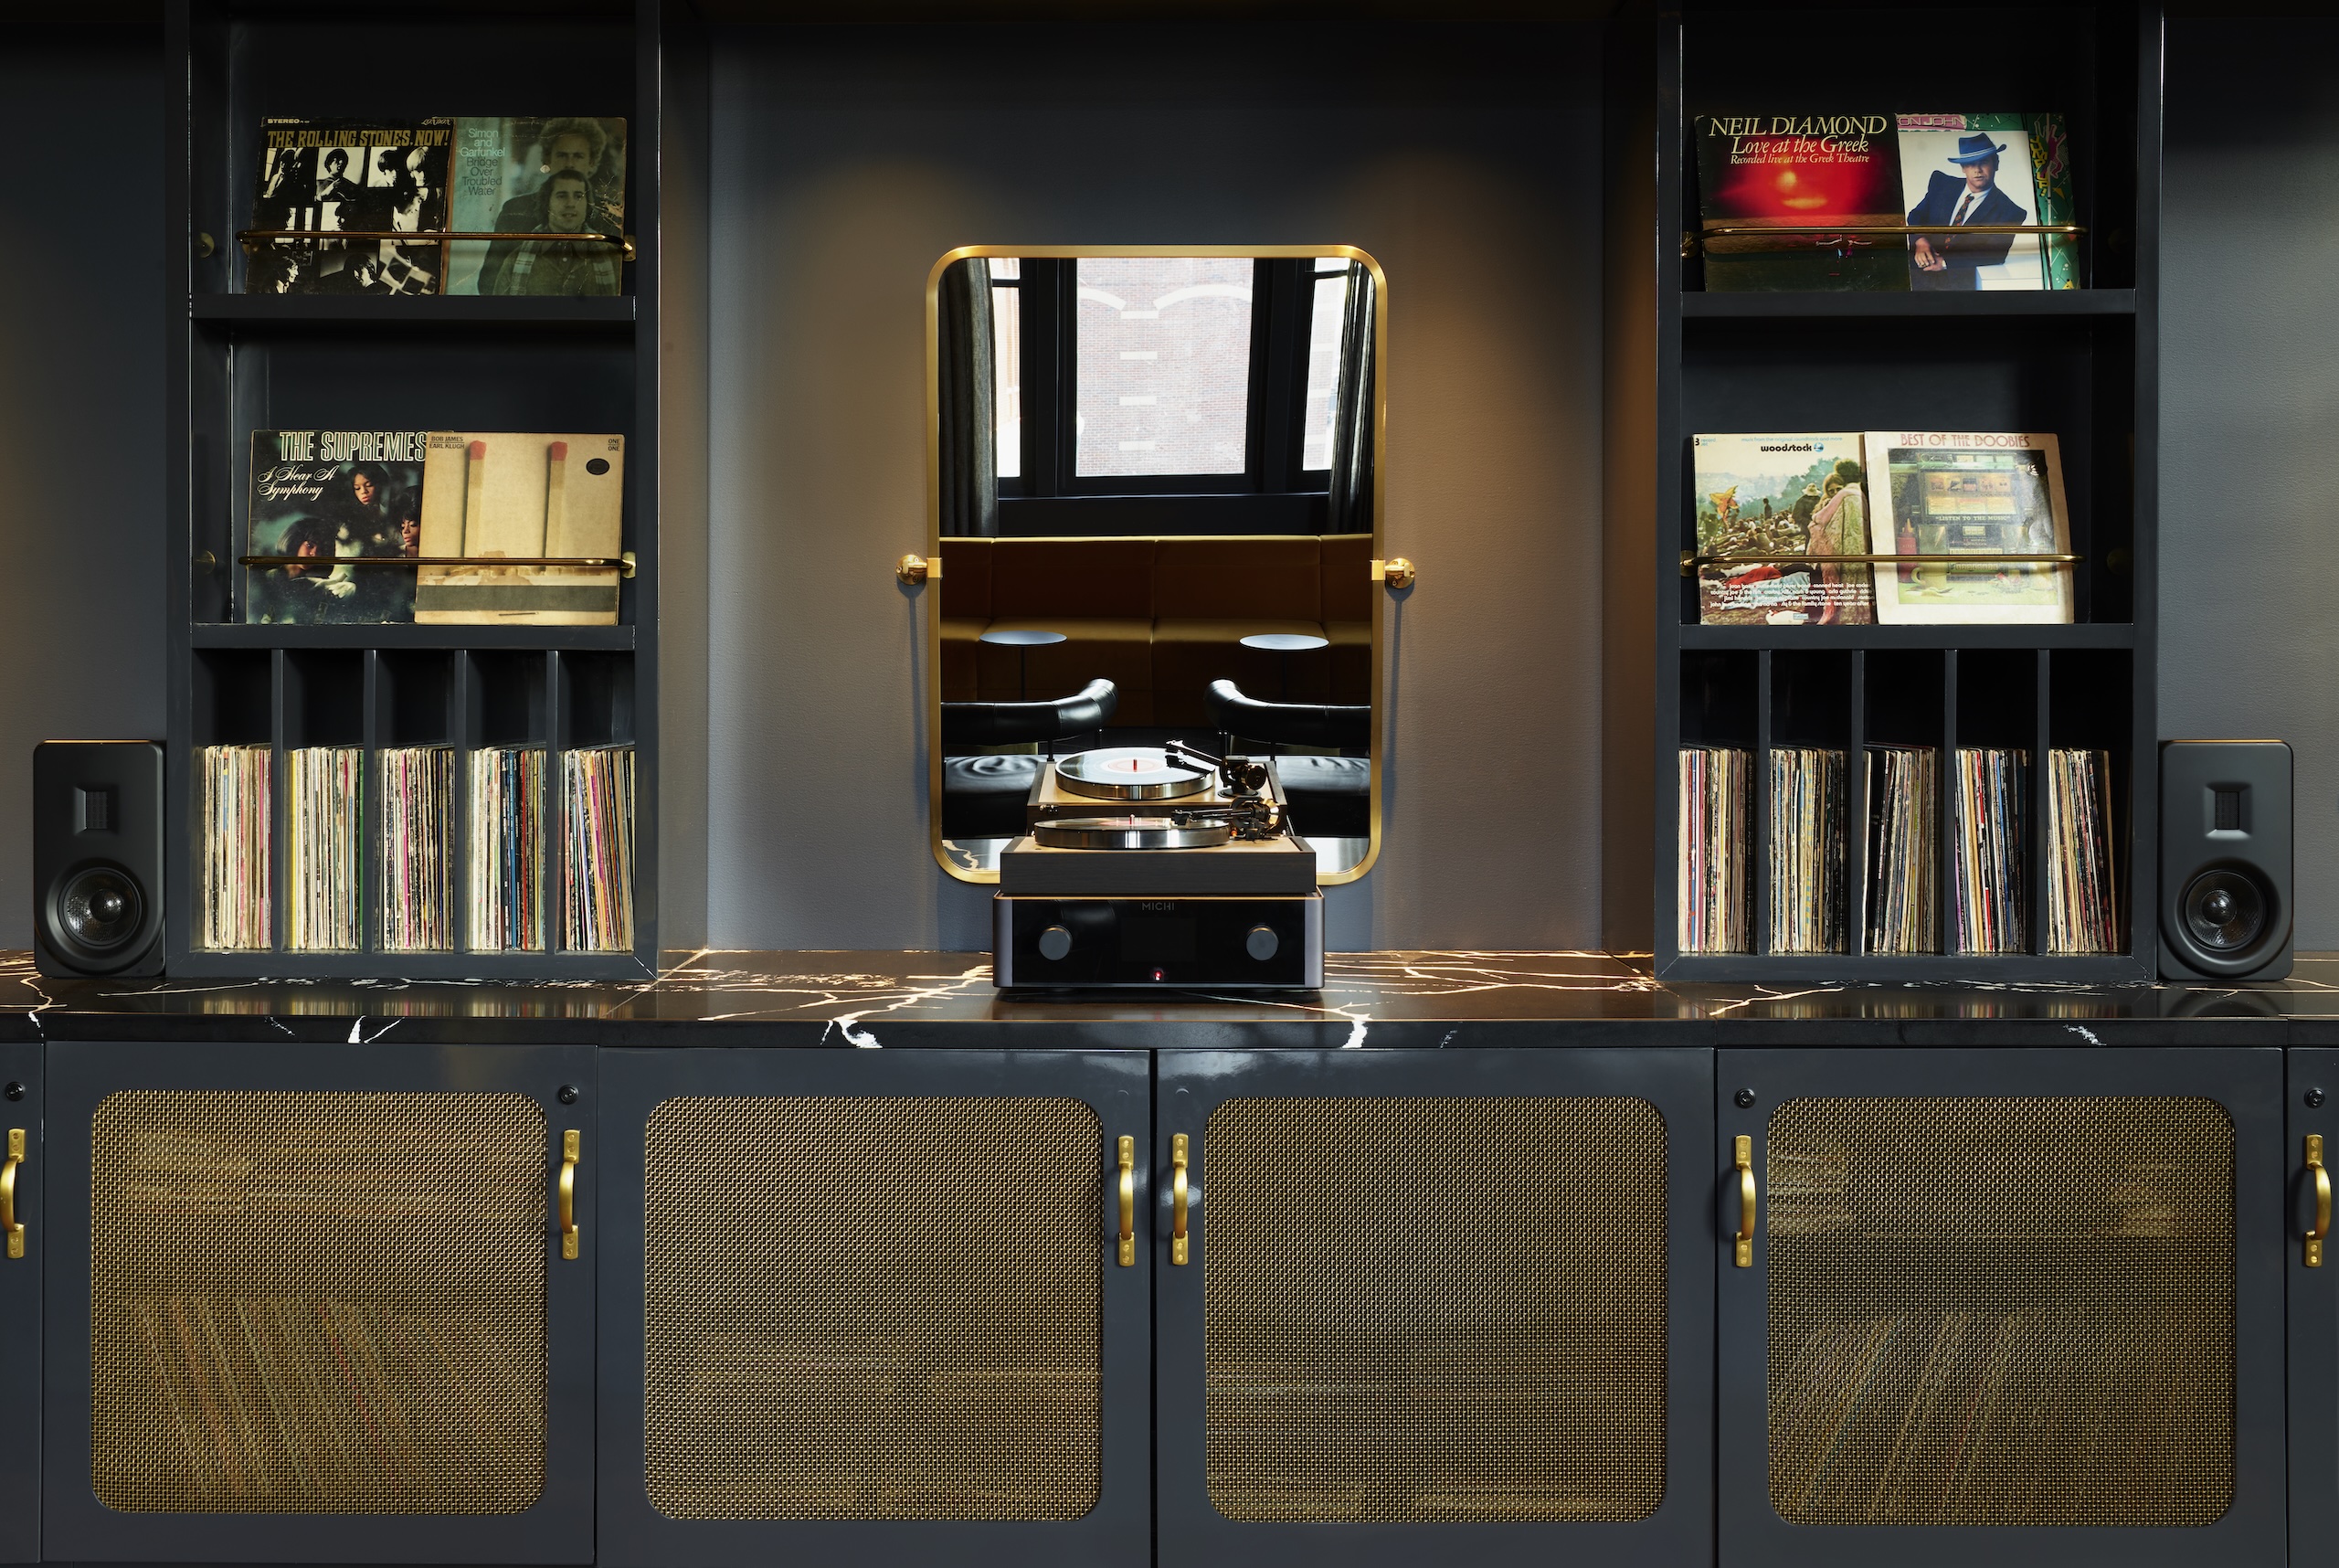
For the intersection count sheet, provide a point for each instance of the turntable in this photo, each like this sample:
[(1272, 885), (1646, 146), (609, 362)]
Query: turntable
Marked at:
[(1158, 869)]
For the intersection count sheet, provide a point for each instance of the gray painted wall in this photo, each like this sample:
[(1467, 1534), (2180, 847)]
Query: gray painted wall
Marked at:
[(81, 650), (846, 161), (2249, 413)]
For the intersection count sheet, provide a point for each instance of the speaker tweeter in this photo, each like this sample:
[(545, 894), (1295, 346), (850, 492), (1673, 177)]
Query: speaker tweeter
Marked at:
[(97, 857), (2225, 859)]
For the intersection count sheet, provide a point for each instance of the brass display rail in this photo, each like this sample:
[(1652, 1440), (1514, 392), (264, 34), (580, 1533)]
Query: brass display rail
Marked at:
[(251, 238), (1691, 560), (621, 565), (1692, 242)]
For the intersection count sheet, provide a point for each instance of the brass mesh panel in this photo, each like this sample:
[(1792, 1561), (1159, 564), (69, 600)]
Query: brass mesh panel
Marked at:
[(317, 1303), (2001, 1311), (1434, 1310), (874, 1309)]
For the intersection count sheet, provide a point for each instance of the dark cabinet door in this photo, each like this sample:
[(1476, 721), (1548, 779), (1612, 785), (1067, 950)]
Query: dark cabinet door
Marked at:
[(319, 1304), (2311, 1269), (873, 1308), (24, 1244), (2008, 1306), (1434, 1307)]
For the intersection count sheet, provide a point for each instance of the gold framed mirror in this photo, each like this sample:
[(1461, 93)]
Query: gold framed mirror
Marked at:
[(1155, 478)]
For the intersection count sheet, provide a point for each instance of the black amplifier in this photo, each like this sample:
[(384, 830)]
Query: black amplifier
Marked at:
[(1214, 943)]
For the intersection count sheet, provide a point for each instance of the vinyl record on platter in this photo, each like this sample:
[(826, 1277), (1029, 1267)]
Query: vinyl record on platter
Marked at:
[(1129, 833), (1130, 773)]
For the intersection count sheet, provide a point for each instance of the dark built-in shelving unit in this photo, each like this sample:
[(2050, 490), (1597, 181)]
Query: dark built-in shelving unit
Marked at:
[(2079, 362), (237, 363)]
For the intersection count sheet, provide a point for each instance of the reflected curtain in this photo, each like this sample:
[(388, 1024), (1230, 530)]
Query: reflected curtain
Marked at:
[(1351, 503), (970, 457)]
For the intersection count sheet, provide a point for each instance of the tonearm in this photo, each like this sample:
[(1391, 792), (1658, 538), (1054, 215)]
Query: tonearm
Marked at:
[(1242, 776)]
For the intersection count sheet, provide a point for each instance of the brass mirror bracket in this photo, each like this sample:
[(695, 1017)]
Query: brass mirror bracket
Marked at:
[(916, 570), (1396, 572)]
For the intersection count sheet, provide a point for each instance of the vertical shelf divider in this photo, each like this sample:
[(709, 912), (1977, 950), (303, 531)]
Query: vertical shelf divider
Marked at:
[(465, 735), (1856, 812), (369, 812), (556, 738), (279, 848), (2035, 867), (1951, 817), (1758, 923)]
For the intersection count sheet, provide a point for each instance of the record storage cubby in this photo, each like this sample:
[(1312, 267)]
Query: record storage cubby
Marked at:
[(238, 362), (2079, 363)]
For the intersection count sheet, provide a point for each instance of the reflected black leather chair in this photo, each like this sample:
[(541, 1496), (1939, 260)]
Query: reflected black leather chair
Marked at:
[(1330, 796), (983, 796)]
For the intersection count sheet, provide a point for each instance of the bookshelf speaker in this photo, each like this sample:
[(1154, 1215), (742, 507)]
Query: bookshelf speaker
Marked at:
[(2225, 859), (97, 857)]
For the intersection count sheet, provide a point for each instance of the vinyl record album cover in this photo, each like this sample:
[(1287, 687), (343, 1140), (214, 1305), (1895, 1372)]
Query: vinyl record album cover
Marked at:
[(490, 495), (1799, 495), (1970, 169), (332, 494), (1799, 171), (350, 177), (1986, 493), (561, 174)]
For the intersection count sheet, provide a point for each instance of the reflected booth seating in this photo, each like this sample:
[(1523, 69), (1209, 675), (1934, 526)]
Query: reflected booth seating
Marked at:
[(1159, 618), (1330, 796), (983, 796)]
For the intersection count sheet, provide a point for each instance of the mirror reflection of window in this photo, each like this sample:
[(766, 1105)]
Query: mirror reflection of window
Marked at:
[(1007, 341), (1321, 411), (1163, 377)]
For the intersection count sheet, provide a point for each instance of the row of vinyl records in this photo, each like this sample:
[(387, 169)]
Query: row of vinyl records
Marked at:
[(505, 902), (1809, 904)]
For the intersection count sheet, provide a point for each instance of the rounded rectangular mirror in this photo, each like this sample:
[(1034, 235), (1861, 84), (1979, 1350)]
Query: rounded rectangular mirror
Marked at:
[(1154, 475)]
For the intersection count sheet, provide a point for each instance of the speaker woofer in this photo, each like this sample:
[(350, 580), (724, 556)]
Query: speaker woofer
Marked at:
[(2227, 915), (2225, 910), (96, 910)]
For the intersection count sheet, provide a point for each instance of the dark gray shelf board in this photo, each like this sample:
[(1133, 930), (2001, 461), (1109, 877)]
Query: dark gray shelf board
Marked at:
[(294, 313), (396, 637), (2107, 635), (1911, 968), (621, 967), (1993, 305)]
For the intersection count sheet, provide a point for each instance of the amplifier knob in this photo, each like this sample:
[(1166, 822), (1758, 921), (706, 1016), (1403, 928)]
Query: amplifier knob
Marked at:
[(1261, 943), (1054, 943)]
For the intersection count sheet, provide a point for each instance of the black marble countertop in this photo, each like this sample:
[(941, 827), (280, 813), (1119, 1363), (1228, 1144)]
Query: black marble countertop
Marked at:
[(1416, 999)]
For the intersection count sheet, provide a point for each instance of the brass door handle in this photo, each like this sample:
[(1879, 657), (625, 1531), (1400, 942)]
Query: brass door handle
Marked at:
[(1177, 1198), (569, 1141), (1129, 1201), (8, 1192), (2315, 1237), (1742, 1149)]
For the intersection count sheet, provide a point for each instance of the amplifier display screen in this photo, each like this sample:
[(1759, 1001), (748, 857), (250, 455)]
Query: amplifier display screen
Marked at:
[(1157, 938)]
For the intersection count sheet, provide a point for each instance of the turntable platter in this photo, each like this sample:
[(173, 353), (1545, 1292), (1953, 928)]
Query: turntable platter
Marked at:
[(1129, 833), (1130, 773)]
